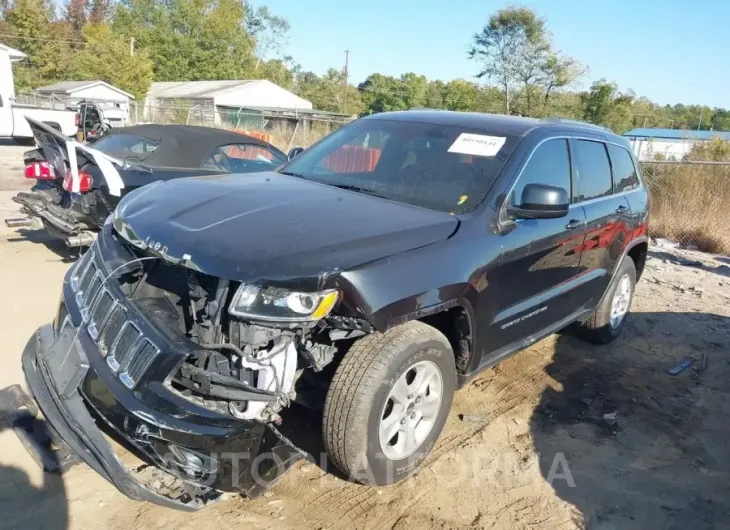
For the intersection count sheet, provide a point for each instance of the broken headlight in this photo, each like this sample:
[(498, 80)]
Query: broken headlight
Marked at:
[(283, 305)]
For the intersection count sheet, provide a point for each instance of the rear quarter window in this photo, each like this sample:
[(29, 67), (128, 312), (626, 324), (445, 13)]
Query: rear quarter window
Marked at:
[(625, 176), (126, 145), (243, 158)]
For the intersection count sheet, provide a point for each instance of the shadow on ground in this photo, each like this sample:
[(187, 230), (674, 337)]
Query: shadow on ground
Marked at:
[(663, 462), (41, 237), (22, 504)]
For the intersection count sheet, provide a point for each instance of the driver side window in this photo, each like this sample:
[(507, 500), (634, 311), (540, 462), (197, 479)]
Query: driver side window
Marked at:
[(549, 164)]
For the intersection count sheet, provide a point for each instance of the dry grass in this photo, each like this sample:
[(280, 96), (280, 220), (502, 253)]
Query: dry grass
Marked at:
[(286, 136), (691, 204)]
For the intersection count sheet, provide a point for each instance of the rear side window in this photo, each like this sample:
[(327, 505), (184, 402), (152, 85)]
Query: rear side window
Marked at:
[(243, 158), (625, 176), (594, 170), (549, 164), (126, 145)]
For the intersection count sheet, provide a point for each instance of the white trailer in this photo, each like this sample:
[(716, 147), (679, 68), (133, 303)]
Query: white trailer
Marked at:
[(12, 116)]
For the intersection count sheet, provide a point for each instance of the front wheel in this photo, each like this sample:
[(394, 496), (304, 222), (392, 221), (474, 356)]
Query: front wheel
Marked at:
[(388, 402)]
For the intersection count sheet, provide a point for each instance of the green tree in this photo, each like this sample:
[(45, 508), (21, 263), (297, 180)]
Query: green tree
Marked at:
[(604, 105), (435, 93), (106, 56), (100, 11), (48, 58), (328, 92), (76, 15), (269, 31), (511, 48), (381, 93), (190, 39), (558, 72), (462, 95)]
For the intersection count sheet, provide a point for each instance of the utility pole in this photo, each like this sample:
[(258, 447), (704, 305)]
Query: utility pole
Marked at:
[(347, 77), (702, 110), (131, 47)]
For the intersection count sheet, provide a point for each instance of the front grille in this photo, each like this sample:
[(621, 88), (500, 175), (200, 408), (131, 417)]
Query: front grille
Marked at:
[(111, 329), (87, 274), (141, 359), (128, 353), (121, 350), (100, 310)]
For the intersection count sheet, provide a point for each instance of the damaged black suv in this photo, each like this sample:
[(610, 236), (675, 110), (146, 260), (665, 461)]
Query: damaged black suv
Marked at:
[(370, 277)]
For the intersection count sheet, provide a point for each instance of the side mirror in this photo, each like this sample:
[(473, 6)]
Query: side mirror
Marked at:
[(294, 151), (540, 201)]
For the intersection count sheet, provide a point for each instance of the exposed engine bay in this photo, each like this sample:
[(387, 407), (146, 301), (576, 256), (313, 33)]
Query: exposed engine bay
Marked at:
[(237, 366)]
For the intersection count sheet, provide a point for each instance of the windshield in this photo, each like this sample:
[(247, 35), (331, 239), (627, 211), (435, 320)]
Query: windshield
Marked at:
[(439, 167)]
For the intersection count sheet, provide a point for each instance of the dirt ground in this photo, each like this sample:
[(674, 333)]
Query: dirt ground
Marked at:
[(562, 435)]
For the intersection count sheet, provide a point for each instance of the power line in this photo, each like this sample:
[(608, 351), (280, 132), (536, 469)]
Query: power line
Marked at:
[(469, 101), (40, 39)]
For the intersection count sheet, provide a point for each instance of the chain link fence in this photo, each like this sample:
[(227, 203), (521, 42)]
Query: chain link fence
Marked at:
[(283, 128), (40, 101), (690, 203)]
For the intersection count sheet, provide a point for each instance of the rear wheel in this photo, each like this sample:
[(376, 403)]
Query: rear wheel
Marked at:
[(609, 318), (388, 402)]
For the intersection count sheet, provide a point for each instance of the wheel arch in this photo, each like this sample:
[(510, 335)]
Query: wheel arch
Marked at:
[(638, 252), (639, 243), (454, 317)]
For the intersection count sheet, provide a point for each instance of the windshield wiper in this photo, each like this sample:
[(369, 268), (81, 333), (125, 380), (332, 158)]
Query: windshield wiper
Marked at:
[(358, 189), (292, 174)]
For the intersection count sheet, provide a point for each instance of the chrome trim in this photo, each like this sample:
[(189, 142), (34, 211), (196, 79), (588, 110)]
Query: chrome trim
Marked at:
[(82, 275), (94, 327), (613, 195), (111, 358), (88, 304), (571, 137), (126, 379)]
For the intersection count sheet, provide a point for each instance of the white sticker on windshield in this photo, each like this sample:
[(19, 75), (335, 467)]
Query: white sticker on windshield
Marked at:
[(477, 144)]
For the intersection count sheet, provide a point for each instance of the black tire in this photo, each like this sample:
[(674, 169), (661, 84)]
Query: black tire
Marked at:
[(359, 392), (598, 329)]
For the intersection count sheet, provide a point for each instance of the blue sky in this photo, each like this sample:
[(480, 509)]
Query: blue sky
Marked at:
[(673, 51)]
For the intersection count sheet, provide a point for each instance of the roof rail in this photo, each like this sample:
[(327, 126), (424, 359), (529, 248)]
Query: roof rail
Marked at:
[(552, 119)]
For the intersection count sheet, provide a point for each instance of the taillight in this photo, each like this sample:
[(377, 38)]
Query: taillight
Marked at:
[(85, 181), (40, 170)]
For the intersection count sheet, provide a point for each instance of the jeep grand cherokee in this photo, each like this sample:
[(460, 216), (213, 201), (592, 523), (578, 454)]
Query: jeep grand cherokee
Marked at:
[(379, 271)]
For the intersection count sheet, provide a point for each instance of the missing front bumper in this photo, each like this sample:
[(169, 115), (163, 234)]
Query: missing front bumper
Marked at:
[(75, 402), (70, 418)]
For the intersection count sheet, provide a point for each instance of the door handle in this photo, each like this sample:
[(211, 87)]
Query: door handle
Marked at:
[(622, 209), (574, 223)]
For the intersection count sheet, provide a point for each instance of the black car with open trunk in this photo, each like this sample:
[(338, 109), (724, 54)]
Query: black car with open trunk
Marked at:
[(79, 185), (370, 278)]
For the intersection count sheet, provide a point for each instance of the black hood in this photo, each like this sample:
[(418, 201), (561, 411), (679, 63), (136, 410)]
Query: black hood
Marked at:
[(269, 226)]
